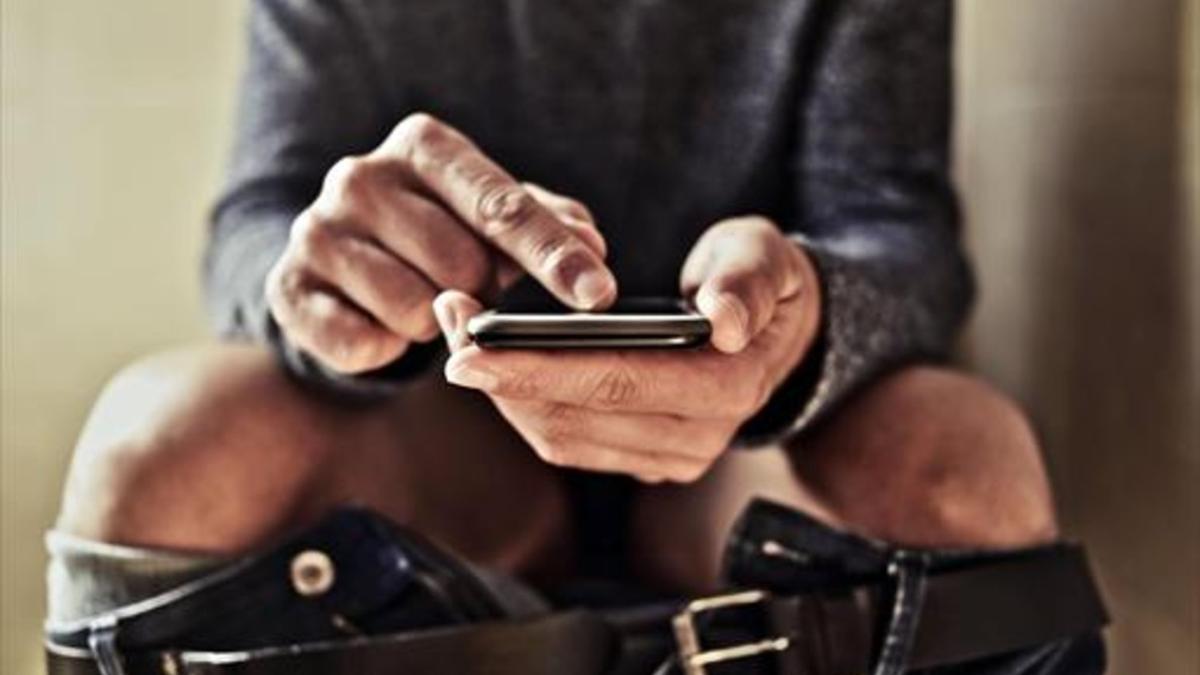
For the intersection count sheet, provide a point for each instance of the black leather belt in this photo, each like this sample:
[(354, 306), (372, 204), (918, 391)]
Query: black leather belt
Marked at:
[(956, 615), (961, 615)]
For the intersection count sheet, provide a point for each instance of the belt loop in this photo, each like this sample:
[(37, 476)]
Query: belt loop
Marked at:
[(909, 570), (102, 641)]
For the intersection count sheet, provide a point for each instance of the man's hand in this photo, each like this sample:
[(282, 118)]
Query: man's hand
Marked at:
[(658, 414), (423, 212)]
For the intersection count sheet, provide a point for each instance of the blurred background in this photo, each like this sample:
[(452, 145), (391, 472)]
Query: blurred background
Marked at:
[(1078, 153)]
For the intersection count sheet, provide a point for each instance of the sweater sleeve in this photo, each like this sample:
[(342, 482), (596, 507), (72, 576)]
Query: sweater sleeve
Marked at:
[(875, 207), (308, 96)]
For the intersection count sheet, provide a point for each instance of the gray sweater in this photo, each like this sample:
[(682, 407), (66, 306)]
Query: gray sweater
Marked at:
[(663, 116)]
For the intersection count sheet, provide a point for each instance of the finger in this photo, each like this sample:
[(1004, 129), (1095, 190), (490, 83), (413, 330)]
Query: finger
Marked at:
[(453, 309), (637, 432), (599, 457), (319, 321), (701, 383), (434, 242), (382, 285), (505, 214), (738, 272), (573, 214), (507, 273)]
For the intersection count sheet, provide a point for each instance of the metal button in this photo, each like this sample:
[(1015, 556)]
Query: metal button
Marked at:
[(312, 573)]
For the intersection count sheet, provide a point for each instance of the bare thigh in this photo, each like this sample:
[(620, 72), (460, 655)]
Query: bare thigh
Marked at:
[(925, 457), (214, 449)]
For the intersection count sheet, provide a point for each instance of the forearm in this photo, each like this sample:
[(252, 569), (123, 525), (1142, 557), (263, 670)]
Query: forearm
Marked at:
[(875, 207), (243, 244)]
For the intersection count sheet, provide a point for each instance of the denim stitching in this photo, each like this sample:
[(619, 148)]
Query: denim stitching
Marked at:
[(102, 641), (908, 568)]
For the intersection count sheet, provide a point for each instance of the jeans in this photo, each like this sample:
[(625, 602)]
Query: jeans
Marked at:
[(372, 588)]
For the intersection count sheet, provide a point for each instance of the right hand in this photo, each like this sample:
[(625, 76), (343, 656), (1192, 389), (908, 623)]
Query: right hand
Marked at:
[(424, 212)]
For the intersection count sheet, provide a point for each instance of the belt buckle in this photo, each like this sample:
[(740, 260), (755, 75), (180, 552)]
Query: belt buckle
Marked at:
[(693, 658)]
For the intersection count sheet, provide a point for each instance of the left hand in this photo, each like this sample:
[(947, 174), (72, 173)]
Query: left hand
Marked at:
[(658, 414)]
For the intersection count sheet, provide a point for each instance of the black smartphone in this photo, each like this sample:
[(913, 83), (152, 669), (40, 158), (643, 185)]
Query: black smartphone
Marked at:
[(635, 323)]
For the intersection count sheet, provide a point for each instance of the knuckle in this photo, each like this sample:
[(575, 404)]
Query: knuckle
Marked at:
[(283, 283), (349, 178), (418, 130), (554, 453), (580, 211), (347, 352), (559, 256), (469, 269), (558, 424), (576, 210), (553, 434), (616, 387), (522, 386), (504, 208), (310, 233), (423, 324)]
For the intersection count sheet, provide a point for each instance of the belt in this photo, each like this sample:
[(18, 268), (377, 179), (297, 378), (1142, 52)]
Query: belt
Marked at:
[(913, 619)]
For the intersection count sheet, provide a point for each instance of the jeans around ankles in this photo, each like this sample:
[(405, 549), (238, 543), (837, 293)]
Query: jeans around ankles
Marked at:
[(253, 601)]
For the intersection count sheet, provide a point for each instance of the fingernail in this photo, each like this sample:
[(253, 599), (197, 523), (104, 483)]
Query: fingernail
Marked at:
[(737, 309), (449, 322), (593, 287), (446, 317), (472, 377), (726, 308)]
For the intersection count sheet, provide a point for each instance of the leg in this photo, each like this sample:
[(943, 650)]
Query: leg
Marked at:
[(214, 450), (926, 457)]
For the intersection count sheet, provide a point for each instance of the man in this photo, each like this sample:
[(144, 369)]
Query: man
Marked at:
[(398, 165)]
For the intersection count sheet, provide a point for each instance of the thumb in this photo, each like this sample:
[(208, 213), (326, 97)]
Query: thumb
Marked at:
[(739, 271), (728, 313), (453, 309)]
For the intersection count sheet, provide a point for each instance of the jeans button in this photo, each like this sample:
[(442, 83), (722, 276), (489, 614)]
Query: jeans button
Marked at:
[(312, 573)]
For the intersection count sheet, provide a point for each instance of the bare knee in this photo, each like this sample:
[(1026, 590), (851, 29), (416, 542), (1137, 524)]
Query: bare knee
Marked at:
[(177, 452), (933, 457)]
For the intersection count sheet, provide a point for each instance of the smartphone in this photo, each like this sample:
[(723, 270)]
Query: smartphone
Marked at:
[(635, 323)]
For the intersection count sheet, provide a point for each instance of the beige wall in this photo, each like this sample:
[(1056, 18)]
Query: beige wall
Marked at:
[(115, 118), (1071, 157), (114, 132)]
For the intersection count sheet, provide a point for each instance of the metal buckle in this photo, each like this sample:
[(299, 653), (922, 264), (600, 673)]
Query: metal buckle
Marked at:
[(693, 658)]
